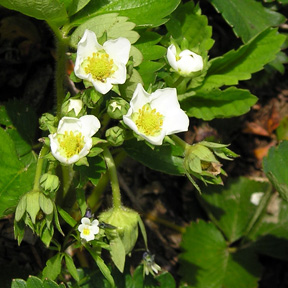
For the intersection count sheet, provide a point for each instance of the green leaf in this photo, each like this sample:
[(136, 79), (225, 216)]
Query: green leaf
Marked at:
[(164, 158), (33, 206), (275, 168), (187, 22), (76, 5), (235, 66), (48, 10), (34, 282), (212, 104), (230, 205), (147, 70), (71, 267), (47, 235), (113, 25), (46, 204), (47, 283), (101, 264), (142, 13), (66, 217), (53, 267), (118, 253), (241, 16), (18, 283), (207, 261), (16, 178)]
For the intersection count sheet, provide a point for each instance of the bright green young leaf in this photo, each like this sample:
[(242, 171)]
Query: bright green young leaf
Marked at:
[(34, 282), (230, 205), (208, 105), (207, 261), (18, 283), (113, 25), (247, 17), (142, 13), (118, 253), (164, 158), (275, 168), (71, 267), (53, 267), (187, 22), (66, 217), (16, 178), (48, 10), (147, 70), (235, 66)]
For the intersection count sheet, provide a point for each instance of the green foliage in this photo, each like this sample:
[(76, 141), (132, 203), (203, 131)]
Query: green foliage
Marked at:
[(166, 158), (112, 25), (230, 205), (207, 260), (211, 104), (241, 16), (235, 66), (50, 10), (142, 13), (275, 168), (34, 282), (16, 177)]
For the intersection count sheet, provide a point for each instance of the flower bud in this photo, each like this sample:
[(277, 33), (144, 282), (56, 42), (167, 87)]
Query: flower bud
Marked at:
[(48, 122), (117, 107), (115, 136), (49, 182), (72, 108), (126, 222)]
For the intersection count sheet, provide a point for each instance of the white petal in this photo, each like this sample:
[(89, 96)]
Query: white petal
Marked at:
[(86, 221), (102, 87), (189, 62), (176, 122), (171, 56), (68, 124), (119, 76), (140, 98), (86, 47), (89, 125), (118, 49), (75, 104)]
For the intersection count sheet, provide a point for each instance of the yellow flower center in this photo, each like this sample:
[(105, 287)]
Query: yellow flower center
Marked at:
[(100, 66), (148, 120), (71, 144), (86, 231)]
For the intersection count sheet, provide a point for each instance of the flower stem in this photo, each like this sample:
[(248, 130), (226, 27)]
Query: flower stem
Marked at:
[(112, 172), (60, 71), (178, 82), (179, 141), (39, 167)]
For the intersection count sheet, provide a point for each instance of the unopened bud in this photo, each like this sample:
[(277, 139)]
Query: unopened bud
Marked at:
[(117, 107), (115, 136)]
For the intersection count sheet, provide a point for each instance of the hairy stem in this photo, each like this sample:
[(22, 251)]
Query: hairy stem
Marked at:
[(112, 172), (39, 167)]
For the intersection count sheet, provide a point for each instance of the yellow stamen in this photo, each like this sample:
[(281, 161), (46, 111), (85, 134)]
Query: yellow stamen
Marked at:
[(148, 120), (86, 231), (71, 144), (100, 66)]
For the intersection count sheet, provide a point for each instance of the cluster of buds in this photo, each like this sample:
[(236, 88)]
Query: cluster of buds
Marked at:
[(201, 161)]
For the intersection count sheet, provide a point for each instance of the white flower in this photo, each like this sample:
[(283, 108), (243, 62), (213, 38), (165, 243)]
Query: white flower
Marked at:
[(88, 229), (104, 65), (153, 116), (75, 104), (256, 198), (184, 63), (149, 264), (72, 140)]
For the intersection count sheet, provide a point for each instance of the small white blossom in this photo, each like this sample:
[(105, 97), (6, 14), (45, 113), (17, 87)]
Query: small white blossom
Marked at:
[(149, 264), (72, 140), (75, 104), (185, 62), (153, 116), (88, 229), (104, 65)]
